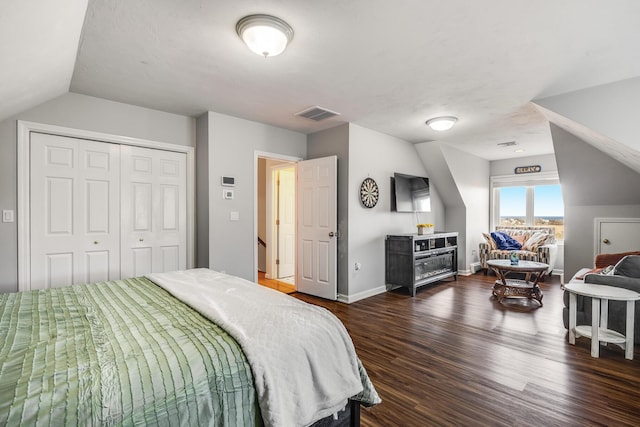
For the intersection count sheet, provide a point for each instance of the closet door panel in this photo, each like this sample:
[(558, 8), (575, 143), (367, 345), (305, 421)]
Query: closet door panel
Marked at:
[(59, 202), (170, 258), (141, 206), (97, 263), (75, 211), (153, 211), (97, 211), (141, 262), (58, 269), (170, 207)]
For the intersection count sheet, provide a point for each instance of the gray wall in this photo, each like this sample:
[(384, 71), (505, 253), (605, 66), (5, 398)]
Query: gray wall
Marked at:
[(202, 191), (79, 112), (335, 142), (471, 174), (377, 155), (365, 153), (463, 182), (507, 166), (593, 185), (233, 143)]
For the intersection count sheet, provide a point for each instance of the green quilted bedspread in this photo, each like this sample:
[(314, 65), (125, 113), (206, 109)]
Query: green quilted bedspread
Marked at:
[(118, 353)]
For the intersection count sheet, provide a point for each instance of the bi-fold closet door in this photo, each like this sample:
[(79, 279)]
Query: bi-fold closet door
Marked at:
[(154, 211), (102, 211)]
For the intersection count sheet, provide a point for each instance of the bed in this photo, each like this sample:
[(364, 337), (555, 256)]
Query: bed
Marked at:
[(193, 347)]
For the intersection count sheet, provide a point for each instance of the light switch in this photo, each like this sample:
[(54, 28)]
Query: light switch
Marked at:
[(234, 216), (7, 215)]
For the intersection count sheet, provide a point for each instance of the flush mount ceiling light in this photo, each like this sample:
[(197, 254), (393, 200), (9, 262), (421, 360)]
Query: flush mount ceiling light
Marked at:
[(265, 35), (442, 123)]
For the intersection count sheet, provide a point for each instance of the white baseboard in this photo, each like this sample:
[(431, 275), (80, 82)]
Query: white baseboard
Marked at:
[(465, 272), (348, 299)]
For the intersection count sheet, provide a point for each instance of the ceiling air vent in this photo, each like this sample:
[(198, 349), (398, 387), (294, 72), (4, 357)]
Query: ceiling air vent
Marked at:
[(316, 113), (507, 144)]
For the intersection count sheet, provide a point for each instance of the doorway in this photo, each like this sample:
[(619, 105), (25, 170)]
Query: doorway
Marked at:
[(276, 203), (314, 248)]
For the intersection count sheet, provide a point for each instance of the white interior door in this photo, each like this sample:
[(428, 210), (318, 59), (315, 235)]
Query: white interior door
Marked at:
[(286, 222), (317, 227), (75, 211), (154, 215), (614, 235)]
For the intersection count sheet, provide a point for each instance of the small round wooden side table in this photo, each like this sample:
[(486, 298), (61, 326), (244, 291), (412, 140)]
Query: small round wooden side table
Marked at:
[(600, 296)]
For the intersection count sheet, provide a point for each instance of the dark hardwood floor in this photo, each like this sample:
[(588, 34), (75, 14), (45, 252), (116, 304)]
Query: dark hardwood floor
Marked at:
[(453, 356)]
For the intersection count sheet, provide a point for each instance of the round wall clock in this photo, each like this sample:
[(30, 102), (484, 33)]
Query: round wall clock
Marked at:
[(369, 193)]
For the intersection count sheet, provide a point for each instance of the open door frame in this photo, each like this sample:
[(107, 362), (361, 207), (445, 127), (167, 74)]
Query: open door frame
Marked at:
[(266, 155)]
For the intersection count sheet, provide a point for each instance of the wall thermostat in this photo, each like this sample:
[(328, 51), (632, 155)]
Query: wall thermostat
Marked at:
[(227, 194), (229, 181)]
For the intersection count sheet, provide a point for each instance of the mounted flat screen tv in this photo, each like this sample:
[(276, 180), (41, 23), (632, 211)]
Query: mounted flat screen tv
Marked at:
[(411, 193)]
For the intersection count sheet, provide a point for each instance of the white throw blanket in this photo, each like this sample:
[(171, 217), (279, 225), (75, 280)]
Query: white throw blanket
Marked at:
[(303, 360)]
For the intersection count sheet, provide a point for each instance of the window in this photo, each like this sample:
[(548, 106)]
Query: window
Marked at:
[(513, 205), (528, 201)]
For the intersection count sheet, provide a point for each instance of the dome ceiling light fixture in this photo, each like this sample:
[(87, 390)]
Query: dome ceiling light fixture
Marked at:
[(442, 123), (265, 35)]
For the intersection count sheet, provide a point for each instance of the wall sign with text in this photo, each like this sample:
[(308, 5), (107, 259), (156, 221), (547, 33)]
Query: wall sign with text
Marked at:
[(528, 169)]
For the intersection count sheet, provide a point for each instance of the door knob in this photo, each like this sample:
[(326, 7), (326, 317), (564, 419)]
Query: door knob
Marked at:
[(95, 242), (331, 234), (141, 239), (606, 241)]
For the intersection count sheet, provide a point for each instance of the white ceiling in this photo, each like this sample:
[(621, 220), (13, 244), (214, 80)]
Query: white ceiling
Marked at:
[(387, 66)]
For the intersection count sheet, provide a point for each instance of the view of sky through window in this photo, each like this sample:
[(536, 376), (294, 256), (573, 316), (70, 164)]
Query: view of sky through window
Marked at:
[(548, 207)]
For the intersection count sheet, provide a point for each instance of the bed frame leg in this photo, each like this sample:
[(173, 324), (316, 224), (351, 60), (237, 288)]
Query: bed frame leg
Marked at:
[(355, 413)]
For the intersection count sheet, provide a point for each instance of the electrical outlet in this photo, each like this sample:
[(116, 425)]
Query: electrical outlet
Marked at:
[(7, 215)]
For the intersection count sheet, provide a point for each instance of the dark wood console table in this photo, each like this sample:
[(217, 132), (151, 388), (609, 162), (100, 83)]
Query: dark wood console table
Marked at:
[(414, 260)]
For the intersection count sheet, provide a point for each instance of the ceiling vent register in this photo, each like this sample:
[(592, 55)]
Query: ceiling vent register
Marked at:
[(316, 113), (507, 144)]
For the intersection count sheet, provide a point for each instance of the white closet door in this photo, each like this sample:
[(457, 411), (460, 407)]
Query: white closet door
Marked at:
[(75, 211), (154, 213)]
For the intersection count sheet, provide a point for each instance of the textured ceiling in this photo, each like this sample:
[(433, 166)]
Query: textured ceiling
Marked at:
[(387, 66)]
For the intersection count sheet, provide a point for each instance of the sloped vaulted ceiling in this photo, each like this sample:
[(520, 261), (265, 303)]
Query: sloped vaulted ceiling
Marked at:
[(386, 66), (38, 46)]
